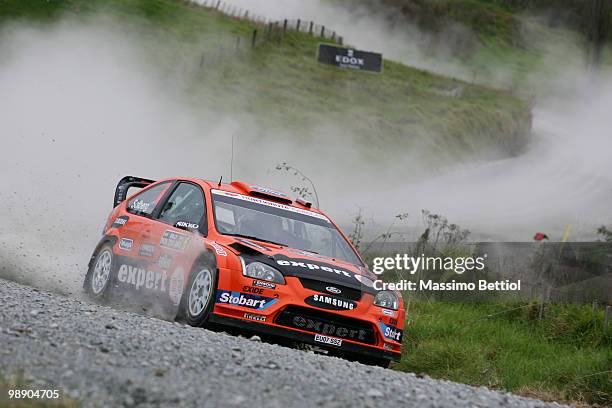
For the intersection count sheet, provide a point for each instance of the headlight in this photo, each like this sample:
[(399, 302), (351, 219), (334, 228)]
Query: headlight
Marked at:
[(261, 271), (387, 299)]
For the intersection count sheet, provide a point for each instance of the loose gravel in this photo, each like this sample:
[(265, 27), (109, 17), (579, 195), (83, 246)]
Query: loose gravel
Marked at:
[(106, 357)]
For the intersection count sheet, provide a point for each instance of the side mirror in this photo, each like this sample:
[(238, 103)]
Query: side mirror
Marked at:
[(187, 226)]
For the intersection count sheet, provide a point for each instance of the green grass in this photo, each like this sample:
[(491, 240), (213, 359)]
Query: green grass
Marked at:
[(284, 87), (565, 356)]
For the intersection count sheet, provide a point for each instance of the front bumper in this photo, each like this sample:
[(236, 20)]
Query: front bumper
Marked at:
[(302, 337), (365, 322)]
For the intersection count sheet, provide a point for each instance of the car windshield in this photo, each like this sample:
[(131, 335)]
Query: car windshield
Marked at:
[(250, 217)]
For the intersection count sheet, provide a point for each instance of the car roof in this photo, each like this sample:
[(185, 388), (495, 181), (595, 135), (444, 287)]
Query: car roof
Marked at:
[(240, 187)]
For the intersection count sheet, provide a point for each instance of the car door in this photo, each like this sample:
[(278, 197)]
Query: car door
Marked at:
[(171, 239), (139, 210)]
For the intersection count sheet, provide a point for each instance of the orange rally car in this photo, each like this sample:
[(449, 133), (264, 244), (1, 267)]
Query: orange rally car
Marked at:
[(235, 254)]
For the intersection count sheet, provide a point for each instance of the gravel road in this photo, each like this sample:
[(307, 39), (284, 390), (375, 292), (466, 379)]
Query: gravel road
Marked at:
[(106, 358)]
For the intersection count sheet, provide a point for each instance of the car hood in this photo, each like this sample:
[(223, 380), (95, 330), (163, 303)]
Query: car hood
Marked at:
[(304, 264)]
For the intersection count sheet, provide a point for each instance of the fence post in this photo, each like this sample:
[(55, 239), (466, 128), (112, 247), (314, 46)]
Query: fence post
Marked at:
[(310, 28), (340, 40), (595, 304), (297, 27), (545, 298), (607, 316), (246, 15), (333, 37), (277, 34), (254, 39), (285, 26), (218, 4), (322, 31)]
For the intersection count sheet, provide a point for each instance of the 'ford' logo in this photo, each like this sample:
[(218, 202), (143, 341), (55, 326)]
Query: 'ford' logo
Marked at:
[(333, 290)]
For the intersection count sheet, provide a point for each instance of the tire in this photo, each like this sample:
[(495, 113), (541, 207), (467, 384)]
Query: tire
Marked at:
[(198, 298), (99, 275)]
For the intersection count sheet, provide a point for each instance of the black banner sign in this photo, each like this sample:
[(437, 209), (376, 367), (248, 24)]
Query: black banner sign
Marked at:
[(350, 58)]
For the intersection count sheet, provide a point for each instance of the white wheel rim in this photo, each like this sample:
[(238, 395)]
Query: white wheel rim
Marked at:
[(200, 292), (101, 272)]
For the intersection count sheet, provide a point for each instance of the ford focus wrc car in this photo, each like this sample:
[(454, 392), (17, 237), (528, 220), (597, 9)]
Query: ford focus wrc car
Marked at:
[(240, 255)]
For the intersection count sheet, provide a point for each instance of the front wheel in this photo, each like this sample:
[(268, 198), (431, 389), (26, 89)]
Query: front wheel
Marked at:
[(198, 299), (98, 278)]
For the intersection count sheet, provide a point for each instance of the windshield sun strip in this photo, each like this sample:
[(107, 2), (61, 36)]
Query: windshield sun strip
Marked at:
[(272, 204)]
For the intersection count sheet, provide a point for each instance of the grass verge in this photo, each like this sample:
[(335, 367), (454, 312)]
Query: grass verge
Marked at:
[(566, 356)]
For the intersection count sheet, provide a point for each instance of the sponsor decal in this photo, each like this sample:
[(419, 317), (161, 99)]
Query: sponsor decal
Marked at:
[(393, 322), (141, 278), (164, 261), (250, 289), (257, 318), (391, 332), (317, 269), (312, 266), (334, 290), (330, 302), (244, 299), (388, 346), (332, 341), (266, 190), (218, 248), (264, 284), (188, 225), (140, 205), (146, 250), (388, 312), (309, 324), (270, 204), (120, 221), (174, 240), (126, 244), (175, 290)]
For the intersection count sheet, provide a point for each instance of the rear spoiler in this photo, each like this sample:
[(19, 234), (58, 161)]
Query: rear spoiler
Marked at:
[(125, 184)]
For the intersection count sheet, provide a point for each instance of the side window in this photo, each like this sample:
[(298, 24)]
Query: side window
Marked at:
[(145, 202), (186, 203)]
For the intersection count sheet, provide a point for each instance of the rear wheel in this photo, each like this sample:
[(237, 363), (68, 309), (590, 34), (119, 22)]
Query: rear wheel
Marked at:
[(198, 298), (98, 278)]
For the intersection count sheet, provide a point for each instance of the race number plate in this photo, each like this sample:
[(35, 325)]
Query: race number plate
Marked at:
[(328, 340)]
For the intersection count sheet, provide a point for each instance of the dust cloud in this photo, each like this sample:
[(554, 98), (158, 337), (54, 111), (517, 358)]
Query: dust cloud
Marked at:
[(78, 112), (564, 177), (81, 108)]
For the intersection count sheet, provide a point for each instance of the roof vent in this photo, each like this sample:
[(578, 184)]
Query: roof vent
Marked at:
[(303, 202)]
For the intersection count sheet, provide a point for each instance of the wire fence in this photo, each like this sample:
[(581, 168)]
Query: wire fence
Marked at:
[(265, 31)]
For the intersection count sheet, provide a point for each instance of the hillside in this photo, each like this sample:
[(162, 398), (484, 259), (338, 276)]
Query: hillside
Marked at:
[(514, 44), (281, 84)]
